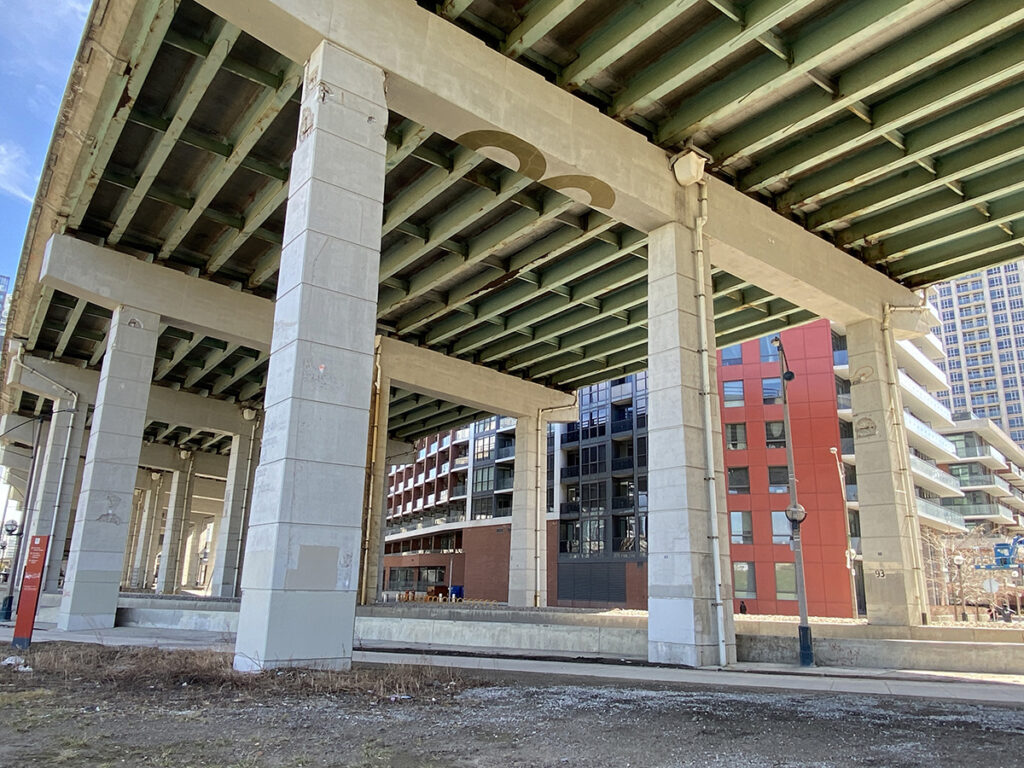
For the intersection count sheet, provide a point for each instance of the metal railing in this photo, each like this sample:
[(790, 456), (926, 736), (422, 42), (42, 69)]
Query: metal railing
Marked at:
[(571, 471), (622, 425), (979, 479), (503, 482), (917, 426), (923, 395), (934, 473), (622, 462), (935, 511), (843, 401), (505, 451)]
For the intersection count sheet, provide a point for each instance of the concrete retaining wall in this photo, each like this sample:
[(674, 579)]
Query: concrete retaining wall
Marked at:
[(494, 630)]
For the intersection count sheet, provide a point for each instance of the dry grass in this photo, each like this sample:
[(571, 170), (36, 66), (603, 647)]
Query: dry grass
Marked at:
[(129, 668)]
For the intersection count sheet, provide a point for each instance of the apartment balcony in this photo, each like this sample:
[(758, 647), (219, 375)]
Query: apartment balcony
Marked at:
[(622, 426), (846, 447), (622, 502), (992, 512), (852, 498), (983, 454), (920, 401), (919, 366), (460, 462), (841, 363), (1014, 500), (570, 472), (503, 483), (506, 423), (459, 491), (931, 345), (989, 483), (1014, 474), (569, 508), (570, 436), (505, 452), (933, 479), (844, 404), (937, 516), (619, 393), (622, 463), (927, 440), (462, 435)]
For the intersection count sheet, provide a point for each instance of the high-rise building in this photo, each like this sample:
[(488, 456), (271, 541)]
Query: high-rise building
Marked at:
[(982, 316)]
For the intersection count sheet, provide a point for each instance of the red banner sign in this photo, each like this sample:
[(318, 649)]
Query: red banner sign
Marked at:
[(31, 584)]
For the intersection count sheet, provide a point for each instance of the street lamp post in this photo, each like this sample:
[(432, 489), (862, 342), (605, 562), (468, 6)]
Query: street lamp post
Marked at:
[(958, 561), (11, 528), (795, 513)]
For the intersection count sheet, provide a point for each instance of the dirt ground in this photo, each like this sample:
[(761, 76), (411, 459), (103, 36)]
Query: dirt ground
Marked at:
[(88, 706)]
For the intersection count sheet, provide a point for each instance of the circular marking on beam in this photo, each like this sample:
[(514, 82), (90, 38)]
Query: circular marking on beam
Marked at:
[(531, 162), (601, 194)]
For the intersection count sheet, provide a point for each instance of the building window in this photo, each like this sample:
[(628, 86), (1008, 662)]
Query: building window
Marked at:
[(778, 480), (569, 537), (736, 437), (593, 536), (769, 353), (775, 434), (594, 459), (785, 581), (483, 449), (732, 393), (782, 529), (741, 529), (732, 355), (592, 422), (483, 479), (771, 391), (743, 582), (593, 498), (739, 480), (401, 578)]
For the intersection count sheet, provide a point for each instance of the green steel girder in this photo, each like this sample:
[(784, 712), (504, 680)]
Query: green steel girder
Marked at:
[(936, 95), (180, 352), (765, 78), (250, 128), (937, 205), (592, 331), (948, 229), (542, 16), (70, 323), (917, 53), (452, 9), (208, 143), (753, 316), (241, 370), (519, 270), (738, 300), (1011, 250), (985, 155), (411, 136), (405, 431), (611, 373), (617, 304), (452, 221), (987, 115), (273, 195), (115, 104), (703, 51), (57, 326), (183, 104), (410, 402), (631, 25), (635, 354), (618, 342), (428, 186), (770, 325), (418, 415), (236, 66), (465, 418), (586, 290), (550, 280), (496, 238), (955, 250), (210, 362)]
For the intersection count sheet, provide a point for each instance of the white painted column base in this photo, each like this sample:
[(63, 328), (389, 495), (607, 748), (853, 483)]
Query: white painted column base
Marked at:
[(527, 569)]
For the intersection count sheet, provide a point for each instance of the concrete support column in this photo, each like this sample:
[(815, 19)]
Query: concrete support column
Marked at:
[(373, 565), (893, 580), (527, 568), (133, 533), (683, 623), (115, 441), (58, 469), (302, 550), (169, 578), (147, 531), (228, 535)]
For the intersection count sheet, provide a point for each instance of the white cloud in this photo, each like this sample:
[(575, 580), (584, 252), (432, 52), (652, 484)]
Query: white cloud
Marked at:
[(15, 178)]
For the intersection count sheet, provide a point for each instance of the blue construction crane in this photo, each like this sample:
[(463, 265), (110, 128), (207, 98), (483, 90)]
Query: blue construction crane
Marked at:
[(1005, 556)]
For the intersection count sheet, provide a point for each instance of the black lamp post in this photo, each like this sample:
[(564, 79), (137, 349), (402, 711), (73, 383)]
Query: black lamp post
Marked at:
[(795, 513), (11, 528)]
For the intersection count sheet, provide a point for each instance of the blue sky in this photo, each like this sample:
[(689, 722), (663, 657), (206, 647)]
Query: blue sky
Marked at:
[(38, 42)]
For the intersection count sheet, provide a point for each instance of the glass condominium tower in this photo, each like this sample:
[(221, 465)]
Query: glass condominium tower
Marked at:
[(982, 317)]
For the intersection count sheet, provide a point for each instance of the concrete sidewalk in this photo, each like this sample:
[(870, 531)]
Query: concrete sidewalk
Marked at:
[(956, 686)]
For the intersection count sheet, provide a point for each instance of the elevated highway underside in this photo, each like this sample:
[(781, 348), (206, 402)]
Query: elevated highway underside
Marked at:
[(854, 150)]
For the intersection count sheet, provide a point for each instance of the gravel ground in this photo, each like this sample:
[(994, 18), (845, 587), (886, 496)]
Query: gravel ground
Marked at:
[(105, 717)]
